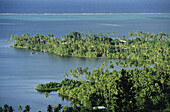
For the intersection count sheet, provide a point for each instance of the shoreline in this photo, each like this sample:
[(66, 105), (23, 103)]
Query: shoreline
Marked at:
[(62, 55)]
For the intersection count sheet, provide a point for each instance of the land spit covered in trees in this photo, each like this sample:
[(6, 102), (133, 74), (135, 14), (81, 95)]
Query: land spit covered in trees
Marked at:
[(131, 90), (143, 46)]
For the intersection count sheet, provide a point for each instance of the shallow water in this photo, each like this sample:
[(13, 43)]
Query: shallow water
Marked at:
[(21, 72), (62, 24)]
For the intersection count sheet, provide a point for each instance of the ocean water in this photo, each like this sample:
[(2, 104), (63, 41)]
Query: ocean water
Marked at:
[(21, 72), (62, 24), (84, 6)]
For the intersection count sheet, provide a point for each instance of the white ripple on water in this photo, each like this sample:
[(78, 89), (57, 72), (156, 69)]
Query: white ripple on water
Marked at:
[(75, 13), (7, 23), (116, 25)]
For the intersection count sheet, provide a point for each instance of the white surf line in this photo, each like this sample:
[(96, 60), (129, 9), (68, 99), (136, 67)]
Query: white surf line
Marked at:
[(7, 23), (110, 24), (75, 13)]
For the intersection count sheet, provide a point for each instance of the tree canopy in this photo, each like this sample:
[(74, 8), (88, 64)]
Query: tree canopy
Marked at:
[(146, 89)]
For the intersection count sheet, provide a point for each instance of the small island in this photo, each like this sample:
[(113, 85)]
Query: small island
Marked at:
[(134, 90)]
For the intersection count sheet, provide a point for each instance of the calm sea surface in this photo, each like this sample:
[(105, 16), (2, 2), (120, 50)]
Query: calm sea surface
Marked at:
[(21, 71)]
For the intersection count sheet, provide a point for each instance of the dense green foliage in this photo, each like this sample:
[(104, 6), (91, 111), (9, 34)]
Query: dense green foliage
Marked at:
[(53, 86), (143, 46), (144, 90), (126, 90)]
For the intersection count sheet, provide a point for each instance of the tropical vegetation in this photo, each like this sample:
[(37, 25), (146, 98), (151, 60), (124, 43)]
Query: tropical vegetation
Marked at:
[(56, 108), (126, 90), (142, 46), (140, 90)]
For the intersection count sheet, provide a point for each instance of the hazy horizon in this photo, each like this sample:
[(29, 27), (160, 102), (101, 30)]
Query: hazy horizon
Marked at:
[(82, 6)]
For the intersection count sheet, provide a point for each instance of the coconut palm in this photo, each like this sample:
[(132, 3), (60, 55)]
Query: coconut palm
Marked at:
[(27, 108), (49, 108), (46, 96), (65, 108), (20, 107)]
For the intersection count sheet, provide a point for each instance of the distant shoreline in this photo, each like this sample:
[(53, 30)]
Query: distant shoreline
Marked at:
[(74, 13)]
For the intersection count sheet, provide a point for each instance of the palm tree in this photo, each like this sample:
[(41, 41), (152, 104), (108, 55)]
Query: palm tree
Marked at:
[(65, 108), (111, 65), (20, 108), (55, 108), (66, 75), (11, 39), (59, 106), (113, 33), (6, 107), (80, 72), (1, 109), (46, 96), (11, 109), (27, 108), (71, 73), (49, 108)]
